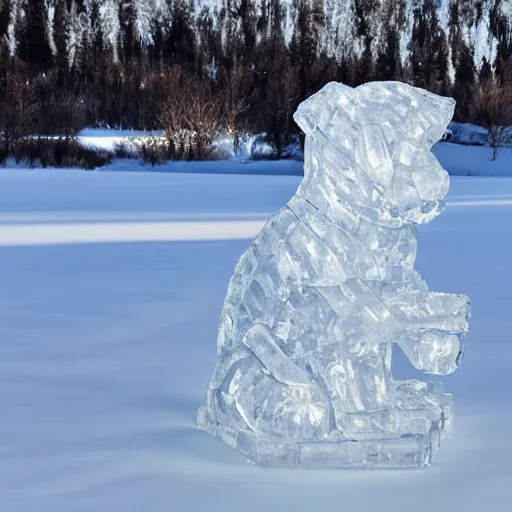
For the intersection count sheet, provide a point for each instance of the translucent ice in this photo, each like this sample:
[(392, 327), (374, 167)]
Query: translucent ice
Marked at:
[(305, 340)]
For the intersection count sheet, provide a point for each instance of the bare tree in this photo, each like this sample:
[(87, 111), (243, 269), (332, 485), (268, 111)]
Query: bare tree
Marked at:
[(62, 112), (493, 110), (19, 110), (190, 115), (236, 101), (281, 99)]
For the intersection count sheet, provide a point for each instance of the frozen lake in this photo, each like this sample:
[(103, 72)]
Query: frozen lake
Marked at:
[(111, 285)]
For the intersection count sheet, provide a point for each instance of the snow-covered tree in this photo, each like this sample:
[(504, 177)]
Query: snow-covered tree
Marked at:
[(111, 57)]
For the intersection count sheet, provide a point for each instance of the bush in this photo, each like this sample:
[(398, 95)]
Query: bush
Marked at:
[(152, 150), (155, 151), (158, 150), (263, 148), (129, 148), (50, 152), (190, 116), (3, 154), (19, 111), (492, 109)]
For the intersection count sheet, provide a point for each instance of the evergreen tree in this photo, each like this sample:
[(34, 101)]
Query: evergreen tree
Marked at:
[(485, 74), (429, 52), (180, 41), (114, 56), (388, 65), (130, 42), (303, 47), (5, 17), (464, 86), (33, 43), (61, 23), (243, 11), (364, 65)]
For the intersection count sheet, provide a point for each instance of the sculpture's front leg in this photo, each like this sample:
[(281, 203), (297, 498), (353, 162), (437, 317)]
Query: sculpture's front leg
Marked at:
[(356, 364), (433, 327)]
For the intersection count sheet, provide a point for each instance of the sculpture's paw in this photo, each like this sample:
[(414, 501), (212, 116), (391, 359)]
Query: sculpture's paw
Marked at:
[(433, 351), (439, 353), (293, 413), (421, 407)]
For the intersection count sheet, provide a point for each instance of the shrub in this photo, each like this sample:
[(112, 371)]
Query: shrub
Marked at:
[(190, 116), (152, 150), (155, 151), (53, 152), (129, 148), (19, 111), (158, 150), (492, 109)]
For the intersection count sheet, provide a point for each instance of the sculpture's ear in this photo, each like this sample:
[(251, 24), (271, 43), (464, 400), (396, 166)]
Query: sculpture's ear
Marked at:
[(424, 115), (319, 109), (431, 116)]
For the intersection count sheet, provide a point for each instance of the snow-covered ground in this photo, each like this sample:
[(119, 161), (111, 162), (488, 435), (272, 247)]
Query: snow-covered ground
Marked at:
[(465, 160), (283, 167), (111, 285), (457, 159), (462, 159), (108, 139), (467, 133)]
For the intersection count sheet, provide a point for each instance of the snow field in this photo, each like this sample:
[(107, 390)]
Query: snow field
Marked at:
[(107, 344)]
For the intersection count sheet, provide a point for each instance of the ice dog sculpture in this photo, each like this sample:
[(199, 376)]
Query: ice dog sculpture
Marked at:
[(304, 346)]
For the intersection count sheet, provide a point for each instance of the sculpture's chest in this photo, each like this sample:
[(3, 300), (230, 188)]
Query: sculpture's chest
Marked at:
[(311, 251), (305, 248), (393, 250)]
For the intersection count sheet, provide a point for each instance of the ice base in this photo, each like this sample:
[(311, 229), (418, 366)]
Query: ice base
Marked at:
[(416, 446)]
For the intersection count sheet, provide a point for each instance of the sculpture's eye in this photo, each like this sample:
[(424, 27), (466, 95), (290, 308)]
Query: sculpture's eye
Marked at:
[(460, 355), (428, 206), (373, 155)]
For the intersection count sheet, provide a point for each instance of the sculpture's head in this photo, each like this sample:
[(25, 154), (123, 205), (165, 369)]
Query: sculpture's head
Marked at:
[(368, 149)]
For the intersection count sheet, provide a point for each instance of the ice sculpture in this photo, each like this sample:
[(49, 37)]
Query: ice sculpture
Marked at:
[(303, 376)]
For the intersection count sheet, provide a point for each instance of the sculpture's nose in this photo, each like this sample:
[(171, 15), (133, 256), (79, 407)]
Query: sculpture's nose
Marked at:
[(430, 179)]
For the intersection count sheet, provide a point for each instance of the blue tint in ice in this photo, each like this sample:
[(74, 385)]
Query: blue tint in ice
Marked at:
[(305, 340)]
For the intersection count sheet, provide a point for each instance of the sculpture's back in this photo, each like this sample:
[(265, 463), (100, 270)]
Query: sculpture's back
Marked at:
[(316, 302)]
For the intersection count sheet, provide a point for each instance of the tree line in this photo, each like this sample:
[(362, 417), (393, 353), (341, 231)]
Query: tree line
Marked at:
[(237, 73)]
